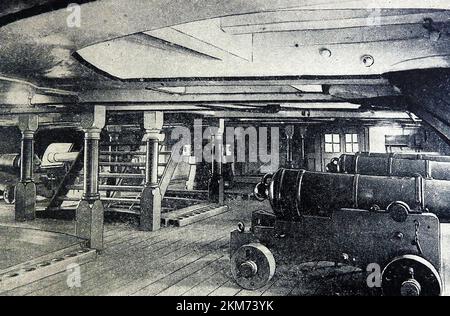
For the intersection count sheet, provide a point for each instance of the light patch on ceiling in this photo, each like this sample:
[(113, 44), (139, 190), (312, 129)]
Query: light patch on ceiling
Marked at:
[(174, 90), (18, 94), (201, 49), (309, 88), (322, 106), (210, 34)]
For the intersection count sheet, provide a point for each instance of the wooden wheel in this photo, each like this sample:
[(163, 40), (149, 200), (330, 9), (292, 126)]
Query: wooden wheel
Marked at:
[(411, 275), (252, 266)]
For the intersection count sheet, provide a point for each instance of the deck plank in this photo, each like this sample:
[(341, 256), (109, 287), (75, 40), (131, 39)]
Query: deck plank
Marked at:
[(229, 288), (111, 264), (183, 258), (173, 278), (190, 281)]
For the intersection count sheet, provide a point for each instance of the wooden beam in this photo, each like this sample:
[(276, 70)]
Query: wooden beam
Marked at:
[(310, 114), (149, 97), (362, 92), (279, 21), (228, 89), (24, 98), (366, 34), (264, 81)]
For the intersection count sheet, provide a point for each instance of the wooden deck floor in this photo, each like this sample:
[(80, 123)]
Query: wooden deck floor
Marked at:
[(187, 261)]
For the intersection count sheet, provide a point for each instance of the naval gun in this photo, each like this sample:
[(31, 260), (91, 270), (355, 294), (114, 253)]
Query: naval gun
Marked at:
[(48, 170), (430, 166), (356, 220)]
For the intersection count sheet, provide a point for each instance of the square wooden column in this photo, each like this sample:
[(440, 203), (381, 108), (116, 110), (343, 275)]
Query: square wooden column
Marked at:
[(151, 197), (25, 191), (216, 182), (90, 211)]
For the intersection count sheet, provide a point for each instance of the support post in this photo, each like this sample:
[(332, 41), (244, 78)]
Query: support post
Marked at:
[(290, 131), (25, 192), (90, 211), (114, 132), (216, 183), (151, 198), (303, 131)]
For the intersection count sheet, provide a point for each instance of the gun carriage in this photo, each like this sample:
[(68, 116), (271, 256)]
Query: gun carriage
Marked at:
[(353, 219)]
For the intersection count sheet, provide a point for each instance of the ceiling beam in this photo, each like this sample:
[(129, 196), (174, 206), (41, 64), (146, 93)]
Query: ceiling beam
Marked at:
[(280, 21), (240, 89), (152, 96), (362, 91), (311, 114), (260, 81)]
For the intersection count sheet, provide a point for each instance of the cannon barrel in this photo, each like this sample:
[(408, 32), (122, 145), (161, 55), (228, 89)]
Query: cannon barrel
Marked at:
[(62, 157), (294, 193), (399, 165)]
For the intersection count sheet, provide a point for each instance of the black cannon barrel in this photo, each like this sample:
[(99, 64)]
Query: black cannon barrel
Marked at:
[(294, 193), (9, 161), (399, 165)]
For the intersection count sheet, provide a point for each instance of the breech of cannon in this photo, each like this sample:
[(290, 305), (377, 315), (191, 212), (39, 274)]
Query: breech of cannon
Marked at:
[(293, 193), (399, 165), (9, 162)]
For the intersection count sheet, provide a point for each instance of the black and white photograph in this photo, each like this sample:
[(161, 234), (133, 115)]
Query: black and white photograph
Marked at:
[(224, 154)]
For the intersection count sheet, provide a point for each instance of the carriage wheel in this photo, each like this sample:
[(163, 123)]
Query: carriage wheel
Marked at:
[(411, 275), (252, 266)]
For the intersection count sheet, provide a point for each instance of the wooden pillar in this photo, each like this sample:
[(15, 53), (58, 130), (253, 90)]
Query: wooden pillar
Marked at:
[(303, 163), (216, 183), (113, 132), (290, 131), (90, 210), (151, 197), (25, 192)]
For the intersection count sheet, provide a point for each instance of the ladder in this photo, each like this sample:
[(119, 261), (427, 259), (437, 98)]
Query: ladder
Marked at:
[(122, 174)]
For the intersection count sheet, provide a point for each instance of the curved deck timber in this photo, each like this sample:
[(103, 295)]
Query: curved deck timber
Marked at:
[(29, 255)]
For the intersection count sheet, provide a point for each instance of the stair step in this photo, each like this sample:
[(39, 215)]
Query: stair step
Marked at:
[(121, 200), (122, 175), (119, 144), (123, 153), (192, 214), (108, 210), (122, 188), (104, 199), (130, 153), (121, 164)]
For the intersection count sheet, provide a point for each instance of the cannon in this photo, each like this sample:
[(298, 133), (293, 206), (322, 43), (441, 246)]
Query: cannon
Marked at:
[(48, 170), (394, 164), (299, 192), (349, 219)]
